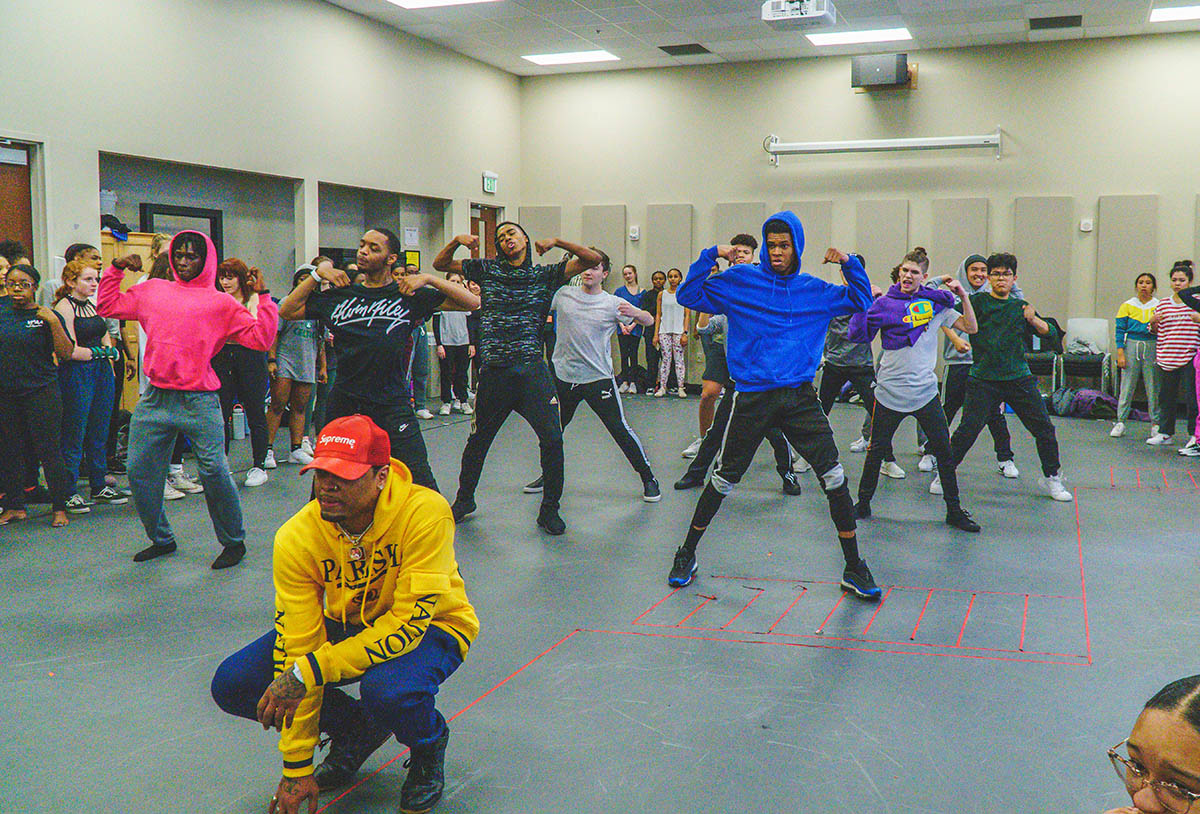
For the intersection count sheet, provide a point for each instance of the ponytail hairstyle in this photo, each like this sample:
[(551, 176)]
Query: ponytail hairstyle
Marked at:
[(1184, 266), (70, 276), (918, 256)]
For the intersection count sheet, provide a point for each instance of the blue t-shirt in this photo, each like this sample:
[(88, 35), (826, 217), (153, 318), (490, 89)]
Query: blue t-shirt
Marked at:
[(636, 301)]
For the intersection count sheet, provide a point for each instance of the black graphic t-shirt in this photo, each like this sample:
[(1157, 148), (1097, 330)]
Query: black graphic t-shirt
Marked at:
[(513, 304), (372, 329), (27, 363)]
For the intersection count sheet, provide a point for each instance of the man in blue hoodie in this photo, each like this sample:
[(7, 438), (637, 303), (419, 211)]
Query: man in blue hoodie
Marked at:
[(778, 317)]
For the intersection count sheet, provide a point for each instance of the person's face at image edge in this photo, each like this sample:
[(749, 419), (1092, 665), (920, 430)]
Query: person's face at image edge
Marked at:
[(1179, 281), (977, 274), (912, 277), (1167, 748)]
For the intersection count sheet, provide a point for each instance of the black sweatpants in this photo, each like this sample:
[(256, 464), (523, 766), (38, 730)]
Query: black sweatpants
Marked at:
[(402, 427), (1172, 385), (629, 357), (35, 418), (244, 379), (454, 373), (711, 444), (952, 402), (527, 390), (797, 413), (984, 397), (932, 419), (834, 378), (605, 401)]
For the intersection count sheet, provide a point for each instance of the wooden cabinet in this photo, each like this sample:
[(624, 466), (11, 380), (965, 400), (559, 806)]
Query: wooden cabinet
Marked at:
[(110, 248)]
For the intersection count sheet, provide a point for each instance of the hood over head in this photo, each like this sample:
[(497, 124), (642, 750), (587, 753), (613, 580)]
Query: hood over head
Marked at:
[(528, 243), (962, 273), (207, 278), (797, 230)]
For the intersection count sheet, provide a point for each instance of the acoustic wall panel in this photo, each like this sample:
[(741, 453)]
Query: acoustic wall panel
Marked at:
[(881, 237), (604, 227), (1196, 253), (960, 228), (1043, 240), (730, 219), (541, 222), (1126, 245), (817, 219), (668, 237)]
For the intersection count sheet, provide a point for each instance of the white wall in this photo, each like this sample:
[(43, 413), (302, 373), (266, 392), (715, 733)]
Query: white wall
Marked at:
[(293, 88), (1081, 118)]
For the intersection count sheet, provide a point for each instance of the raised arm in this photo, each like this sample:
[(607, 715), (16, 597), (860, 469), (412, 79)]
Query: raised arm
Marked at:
[(700, 290), (458, 297), (110, 300), (1188, 295), (856, 294), (445, 262), (254, 331), (583, 257), (627, 309), (293, 304), (1037, 323), (967, 322)]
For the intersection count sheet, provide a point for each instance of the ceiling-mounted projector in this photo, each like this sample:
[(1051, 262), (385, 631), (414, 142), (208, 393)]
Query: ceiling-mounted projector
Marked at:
[(792, 14)]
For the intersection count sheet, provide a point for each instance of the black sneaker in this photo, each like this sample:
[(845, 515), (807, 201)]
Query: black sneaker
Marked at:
[(689, 481), (684, 568), (352, 736), (533, 488), (426, 776), (116, 466), (77, 505), (461, 508), (863, 509), (650, 491), (858, 580), (154, 552), (550, 522), (791, 484), (229, 557), (109, 495), (961, 519)]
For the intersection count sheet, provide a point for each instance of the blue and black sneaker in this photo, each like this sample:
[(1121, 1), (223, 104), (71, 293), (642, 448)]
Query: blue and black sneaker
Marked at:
[(684, 568), (858, 580)]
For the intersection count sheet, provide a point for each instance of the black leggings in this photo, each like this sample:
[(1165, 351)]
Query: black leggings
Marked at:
[(1171, 385), (629, 356), (932, 419), (984, 397), (36, 418), (956, 394), (526, 389), (834, 378), (605, 401), (244, 379), (711, 444), (454, 373)]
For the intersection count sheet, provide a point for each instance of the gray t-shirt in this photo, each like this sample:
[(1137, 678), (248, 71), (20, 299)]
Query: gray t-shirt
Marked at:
[(840, 351), (906, 381), (296, 349), (586, 324)]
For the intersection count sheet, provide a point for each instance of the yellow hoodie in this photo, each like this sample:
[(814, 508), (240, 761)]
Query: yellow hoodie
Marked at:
[(407, 580)]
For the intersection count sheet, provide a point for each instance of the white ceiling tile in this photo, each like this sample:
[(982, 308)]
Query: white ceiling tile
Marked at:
[(997, 27), (629, 14)]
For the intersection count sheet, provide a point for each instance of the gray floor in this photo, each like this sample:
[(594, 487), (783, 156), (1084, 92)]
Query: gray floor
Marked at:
[(718, 697)]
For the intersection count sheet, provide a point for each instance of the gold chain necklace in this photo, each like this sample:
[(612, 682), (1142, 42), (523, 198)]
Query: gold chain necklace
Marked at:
[(356, 549)]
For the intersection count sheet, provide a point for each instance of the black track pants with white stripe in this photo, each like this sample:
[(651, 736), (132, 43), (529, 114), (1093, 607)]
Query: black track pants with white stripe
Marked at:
[(602, 397)]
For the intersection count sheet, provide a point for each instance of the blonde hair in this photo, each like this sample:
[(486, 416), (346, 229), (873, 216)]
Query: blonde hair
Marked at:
[(156, 243)]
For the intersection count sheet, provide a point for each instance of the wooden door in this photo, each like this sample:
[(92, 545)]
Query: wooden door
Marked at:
[(16, 196)]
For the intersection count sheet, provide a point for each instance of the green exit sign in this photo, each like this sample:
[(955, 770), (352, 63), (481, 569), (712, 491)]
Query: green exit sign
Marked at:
[(491, 183)]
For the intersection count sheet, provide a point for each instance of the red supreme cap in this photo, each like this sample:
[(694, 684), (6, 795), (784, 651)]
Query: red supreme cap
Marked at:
[(350, 446)]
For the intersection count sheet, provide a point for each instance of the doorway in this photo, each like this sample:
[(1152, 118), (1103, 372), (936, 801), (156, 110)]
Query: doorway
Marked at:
[(483, 226), (16, 194)]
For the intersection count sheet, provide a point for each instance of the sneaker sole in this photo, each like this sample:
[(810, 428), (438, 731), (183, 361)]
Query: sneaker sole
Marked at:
[(678, 583), (846, 586), (83, 510), (649, 499), (116, 501), (532, 490)]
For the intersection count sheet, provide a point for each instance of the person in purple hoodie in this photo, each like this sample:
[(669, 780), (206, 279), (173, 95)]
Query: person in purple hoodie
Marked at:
[(909, 319)]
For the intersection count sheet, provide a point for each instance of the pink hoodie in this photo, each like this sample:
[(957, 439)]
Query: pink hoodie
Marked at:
[(187, 322)]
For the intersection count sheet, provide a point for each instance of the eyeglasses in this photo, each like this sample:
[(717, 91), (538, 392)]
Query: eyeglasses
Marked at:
[(1001, 273), (1135, 777), (19, 285)]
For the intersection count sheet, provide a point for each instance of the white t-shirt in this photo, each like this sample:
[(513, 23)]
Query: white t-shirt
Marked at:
[(585, 325), (906, 381)]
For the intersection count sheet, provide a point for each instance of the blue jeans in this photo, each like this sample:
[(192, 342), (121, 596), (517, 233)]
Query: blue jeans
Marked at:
[(159, 417), (420, 368), (87, 399), (399, 692)]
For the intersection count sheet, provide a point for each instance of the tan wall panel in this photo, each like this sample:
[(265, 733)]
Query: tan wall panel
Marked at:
[(817, 219), (1196, 253), (667, 239), (881, 229), (605, 227), (960, 228), (730, 219), (541, 221), (1043, 241), (1126, 245)]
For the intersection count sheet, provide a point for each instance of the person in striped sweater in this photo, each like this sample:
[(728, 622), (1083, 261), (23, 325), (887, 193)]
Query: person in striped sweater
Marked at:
[(1175, 325)]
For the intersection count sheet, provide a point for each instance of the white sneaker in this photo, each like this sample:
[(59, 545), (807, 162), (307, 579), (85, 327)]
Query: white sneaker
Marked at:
[(624, 388), (444, 409), (269, 462), (424, 413), (1118, 429), (306, 445), (660, 392), (1158, 440), (182, 483), (891, 469), (466, 408), (1154, 429), (935, 487), (682, 393), (256, 477), (456, 405), (927, 463), (299, 456), (1008, 469), (1054, 487), (171, 493), (1191, 449), (692, 449), (860, 445), (800, 466)]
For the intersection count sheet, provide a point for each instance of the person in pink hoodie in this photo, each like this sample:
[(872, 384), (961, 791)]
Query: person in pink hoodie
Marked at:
[(186, 320)]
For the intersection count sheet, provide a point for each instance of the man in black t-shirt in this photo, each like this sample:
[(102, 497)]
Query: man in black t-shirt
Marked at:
[(372, 323), (515, 299)]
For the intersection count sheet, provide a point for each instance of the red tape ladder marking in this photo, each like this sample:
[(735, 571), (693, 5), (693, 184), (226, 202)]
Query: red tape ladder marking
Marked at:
[(876, 613), (830, 615), (922, 616), (803, 591), (1024, 620), (966, 619)]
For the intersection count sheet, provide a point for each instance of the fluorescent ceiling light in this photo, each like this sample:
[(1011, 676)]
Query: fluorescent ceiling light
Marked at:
[(571, 57), (436, 3), (1168, 15), (856, 37)]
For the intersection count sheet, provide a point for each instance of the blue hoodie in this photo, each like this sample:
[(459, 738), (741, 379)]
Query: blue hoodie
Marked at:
[(777, 322)]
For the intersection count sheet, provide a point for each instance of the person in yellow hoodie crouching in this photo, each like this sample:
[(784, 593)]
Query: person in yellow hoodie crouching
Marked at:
[(367, 590)]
